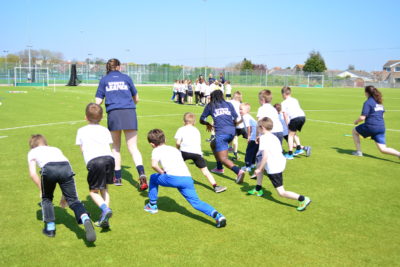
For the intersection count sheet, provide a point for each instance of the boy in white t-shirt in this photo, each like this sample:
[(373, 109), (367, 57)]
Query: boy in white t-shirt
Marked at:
[(174, 173), (273, 162), (228, 90), (55, 169), (267, 110), (95, 141), (188, 140), (240, 129), (295, 119), (250, 125)]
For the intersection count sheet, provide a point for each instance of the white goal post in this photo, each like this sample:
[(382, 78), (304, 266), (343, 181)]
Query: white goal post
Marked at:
[(34, 76), (315, 80)]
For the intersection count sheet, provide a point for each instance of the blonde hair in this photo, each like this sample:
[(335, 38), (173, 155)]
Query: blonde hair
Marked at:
[(237, 96), (37, 140), (246, 106), (189, 118)]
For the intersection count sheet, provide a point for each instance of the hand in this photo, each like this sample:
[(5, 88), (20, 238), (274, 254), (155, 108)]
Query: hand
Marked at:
[(63, 203), (355, 122), (257, 140), (209, 127), (257, 172)]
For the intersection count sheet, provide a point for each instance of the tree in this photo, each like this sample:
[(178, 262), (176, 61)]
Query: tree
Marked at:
[(246, 65), (315, 63), (351, 67)]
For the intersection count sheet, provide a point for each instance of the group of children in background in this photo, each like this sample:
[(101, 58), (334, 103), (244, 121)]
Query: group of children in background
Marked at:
[(264, 152)]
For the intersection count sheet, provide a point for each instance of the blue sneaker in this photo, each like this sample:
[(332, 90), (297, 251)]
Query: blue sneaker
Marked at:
[(151, 208), (298, 152), (105, 216), (220, 220), (287, 156)]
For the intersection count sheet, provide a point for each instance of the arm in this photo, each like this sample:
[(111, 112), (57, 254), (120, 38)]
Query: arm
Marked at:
[(156, 167), (360, 119), (32, 172), (178, 143), (203, 117), (207, 124), (286, 118), (99, 101), (248, 134), (135, 98)]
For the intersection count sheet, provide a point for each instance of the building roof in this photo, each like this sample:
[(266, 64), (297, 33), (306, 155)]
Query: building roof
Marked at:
[(391, 63), (361, 73)]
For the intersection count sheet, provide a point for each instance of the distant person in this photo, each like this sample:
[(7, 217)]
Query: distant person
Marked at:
[(94, 141), (211, 79), (174, 173), (121, 100), (197, 89), (221, 78), (240, 129), (250, 124), (55, 169), (273, 162), (224, 117), (374, 125), (188, 141), (228, 90)]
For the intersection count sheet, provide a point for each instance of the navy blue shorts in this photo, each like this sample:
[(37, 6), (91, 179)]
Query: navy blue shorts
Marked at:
[(378, 135), (122, 119), (222, 141)]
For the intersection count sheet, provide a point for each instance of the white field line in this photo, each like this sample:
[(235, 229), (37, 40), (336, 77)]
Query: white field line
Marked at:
[(3, 137), (346, 124)]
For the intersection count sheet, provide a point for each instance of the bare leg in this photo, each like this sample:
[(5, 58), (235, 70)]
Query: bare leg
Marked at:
[(291, 140), (222, 156), (208, 175), (356, 139), (131, 141), (97, 198), (296, 141), (105, 196), (235, 144), (116, 147), (287, 194), (387, 150)]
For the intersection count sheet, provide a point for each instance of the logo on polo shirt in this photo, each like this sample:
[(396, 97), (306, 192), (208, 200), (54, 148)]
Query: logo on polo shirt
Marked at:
[(222, 111), (113, 86), (378, 107)]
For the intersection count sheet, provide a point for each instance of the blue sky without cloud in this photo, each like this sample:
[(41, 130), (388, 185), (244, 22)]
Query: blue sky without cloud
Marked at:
[(213, 32)]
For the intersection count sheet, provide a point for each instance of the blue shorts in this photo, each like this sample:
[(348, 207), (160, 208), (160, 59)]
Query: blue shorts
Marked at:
[(378, 135), (222, 141)]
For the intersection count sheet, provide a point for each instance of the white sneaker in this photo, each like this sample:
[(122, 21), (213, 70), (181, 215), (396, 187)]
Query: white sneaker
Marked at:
[(357, 153)]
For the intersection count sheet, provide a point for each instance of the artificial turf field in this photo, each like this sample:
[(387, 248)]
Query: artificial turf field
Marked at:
[(353, 219)]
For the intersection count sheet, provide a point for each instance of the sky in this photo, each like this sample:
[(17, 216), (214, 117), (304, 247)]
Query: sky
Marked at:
[(215, 33)]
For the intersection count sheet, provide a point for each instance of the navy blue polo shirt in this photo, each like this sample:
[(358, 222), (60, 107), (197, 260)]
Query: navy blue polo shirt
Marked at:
[(118, 89), (224, 116), (374, 113)]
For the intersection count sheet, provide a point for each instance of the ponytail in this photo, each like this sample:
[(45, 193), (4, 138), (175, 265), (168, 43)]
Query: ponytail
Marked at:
[(375, 93), (112, 65)]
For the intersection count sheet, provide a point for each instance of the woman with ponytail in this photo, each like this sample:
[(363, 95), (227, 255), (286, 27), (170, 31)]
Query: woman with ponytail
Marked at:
[(121, 98), (374, 125)]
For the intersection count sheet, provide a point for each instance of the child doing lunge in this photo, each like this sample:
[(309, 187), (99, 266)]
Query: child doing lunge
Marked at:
[(250, 125), (174, 173), (273, 161), (55, 169), (95, 141), (188, 140), (295, 119)]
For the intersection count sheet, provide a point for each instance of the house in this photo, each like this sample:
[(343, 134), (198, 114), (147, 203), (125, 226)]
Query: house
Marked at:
[(357, 74), (392, 67)]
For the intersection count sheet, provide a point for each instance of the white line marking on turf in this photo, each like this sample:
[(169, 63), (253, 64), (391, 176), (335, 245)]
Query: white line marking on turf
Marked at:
[(347, 124), (3, 137)]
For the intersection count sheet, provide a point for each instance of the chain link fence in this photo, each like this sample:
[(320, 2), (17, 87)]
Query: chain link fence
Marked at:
[(90, 74)]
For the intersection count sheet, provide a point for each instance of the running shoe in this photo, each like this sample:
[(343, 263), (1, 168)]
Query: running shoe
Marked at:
[(143, 182), (288, 156), (90, 232), (219, 188), (308, 151), (253, 191), (240, 177), (219, 171), (105, 216), (117, 181), (220, 220), (153, 209), (303, 204), (357, 153), (298, 152)]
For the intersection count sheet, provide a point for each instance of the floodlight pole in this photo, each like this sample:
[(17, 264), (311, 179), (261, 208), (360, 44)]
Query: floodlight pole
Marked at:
[(29, 55), (205, 40), (5, 58), (89, 55)]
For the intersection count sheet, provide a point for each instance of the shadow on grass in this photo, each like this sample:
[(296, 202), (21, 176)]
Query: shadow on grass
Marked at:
[(349, 151), (127, 176), (94, 212), (168, 204), (267, 195), (63, 217)]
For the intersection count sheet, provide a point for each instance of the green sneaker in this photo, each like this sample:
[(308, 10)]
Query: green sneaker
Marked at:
[(255, 192), (303, 204)]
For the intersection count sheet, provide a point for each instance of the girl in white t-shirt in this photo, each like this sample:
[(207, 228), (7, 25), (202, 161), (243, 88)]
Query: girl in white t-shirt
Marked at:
[(228, 90), (240, 129), (273, 162)]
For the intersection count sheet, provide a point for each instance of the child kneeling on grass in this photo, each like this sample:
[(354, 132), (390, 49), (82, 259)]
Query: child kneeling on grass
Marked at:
[(174, 173), (55, 169), (274, 164)]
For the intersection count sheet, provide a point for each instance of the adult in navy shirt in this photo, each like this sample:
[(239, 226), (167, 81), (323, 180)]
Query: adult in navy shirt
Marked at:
[(211, 79), (221, 78), (121, 98), (224, 116), (374, 125)]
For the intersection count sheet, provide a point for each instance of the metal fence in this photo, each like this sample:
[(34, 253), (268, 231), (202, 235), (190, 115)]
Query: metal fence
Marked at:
[(59, 74)]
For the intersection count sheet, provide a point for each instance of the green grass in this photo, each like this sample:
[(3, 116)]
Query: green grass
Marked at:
[(353, 219)]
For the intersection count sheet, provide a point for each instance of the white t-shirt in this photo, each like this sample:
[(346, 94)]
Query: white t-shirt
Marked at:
[(95, 141), (207, 90), (198, 87), (171, 160), (175, 87), (228, 89), (236, 106), (203, 88), (284, 125), (271, 145), (292, 108), (249, 121), (213, 87), (45, 154), (190, 139), (267, 110)]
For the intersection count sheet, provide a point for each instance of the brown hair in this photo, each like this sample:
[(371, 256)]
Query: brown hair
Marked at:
[(37, 140), (156, 136), (286, 90), (238, 95), (265, 95), (375, 93), (189, 117), (266, 123), (94, 113), (278, 107), (112, 65)]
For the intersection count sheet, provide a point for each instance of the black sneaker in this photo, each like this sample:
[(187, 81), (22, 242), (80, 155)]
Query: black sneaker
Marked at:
[(49, 233), (90, 233)]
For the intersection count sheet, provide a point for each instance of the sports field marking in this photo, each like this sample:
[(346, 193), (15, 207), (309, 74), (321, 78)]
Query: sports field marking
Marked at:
[(346, 124), (3, 137)]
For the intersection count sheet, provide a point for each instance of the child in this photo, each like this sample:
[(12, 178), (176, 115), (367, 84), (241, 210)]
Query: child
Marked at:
[(174, 90), (174, 173), (274, 164), (55, 169), (285, 132), (240, 129), (190, 92), (250, 125), (228, 90), (188, 140), (295, 119), (267, 110), (197, 91), (95, 141)]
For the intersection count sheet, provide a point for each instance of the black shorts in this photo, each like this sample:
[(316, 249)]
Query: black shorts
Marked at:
[(241, 132), (276, 179), (100, 172), (197, 159), (122, 119), (228, 95), (296, 124), (190, 93), (201, 94)]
